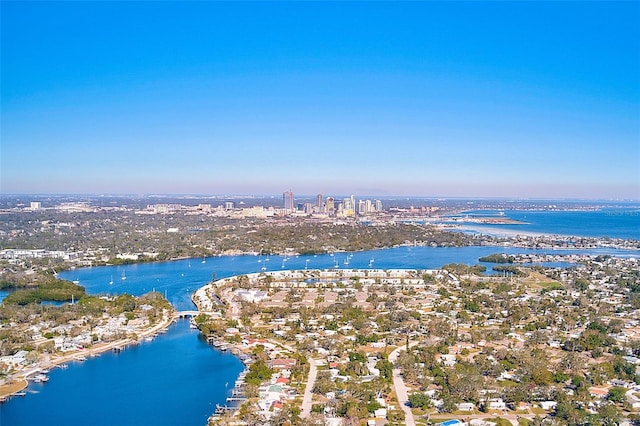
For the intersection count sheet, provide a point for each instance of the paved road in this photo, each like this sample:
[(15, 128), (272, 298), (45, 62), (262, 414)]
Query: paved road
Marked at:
[(513, 418), (305, 408), (311, 380), (400, 387)]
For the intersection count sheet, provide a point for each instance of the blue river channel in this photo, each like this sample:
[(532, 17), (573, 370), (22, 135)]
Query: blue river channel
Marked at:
[(174, 380), (177, 379)]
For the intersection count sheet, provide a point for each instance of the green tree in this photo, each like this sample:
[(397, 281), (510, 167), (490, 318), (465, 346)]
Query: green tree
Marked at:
[(386, 369), (567, 410), (258, 373), (420, 400), (617, 394), (323, 383), (609, 415)]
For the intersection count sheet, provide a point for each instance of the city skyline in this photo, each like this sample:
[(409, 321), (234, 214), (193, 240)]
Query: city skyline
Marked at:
[(498, 99)]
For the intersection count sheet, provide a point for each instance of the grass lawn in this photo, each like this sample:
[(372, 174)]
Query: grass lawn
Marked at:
[(499, 421), (539, 411)]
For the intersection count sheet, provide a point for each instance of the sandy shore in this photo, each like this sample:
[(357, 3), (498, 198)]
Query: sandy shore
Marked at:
[(500, 232), (11, 388)]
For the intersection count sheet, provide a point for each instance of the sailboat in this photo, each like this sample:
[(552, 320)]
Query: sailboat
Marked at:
[(204, 260), (371, 262), (111, 282), (124, 276)]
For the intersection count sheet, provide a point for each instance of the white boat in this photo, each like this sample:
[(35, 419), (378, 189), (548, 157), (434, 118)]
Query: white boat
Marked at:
[(40, 378), (124, 276), (111, 282)]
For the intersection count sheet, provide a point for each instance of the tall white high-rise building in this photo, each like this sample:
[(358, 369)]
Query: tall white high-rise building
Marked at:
[(346, 204), (287, 198), (320, 203)]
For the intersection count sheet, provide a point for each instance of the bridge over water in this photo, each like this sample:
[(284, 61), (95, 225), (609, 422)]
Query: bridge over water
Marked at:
[(184, 314)]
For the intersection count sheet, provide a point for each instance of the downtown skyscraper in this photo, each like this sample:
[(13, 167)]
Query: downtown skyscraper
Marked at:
[(287, 198)]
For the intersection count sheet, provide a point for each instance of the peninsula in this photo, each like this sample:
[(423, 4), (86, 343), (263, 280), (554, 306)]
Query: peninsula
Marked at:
[(73, 332), (411, 346)]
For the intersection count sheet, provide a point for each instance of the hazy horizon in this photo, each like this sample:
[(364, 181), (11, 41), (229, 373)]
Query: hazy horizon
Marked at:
[(535, 100), (309, 196)]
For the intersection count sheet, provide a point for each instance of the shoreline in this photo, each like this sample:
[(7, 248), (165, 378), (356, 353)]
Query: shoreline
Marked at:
[(494, 231), (486, 229), (81, 355)]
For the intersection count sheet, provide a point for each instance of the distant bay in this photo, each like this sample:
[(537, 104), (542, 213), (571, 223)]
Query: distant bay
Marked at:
[(622, 223)]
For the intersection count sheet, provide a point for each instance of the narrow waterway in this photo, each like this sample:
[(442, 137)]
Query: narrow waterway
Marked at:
[(174, 380)]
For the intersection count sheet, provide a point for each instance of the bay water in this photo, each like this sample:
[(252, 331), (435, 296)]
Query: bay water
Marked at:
[(623, 223), (177, 379), (174, 380)]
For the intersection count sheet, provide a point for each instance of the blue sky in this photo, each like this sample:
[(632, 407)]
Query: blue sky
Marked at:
[(499, 99)]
